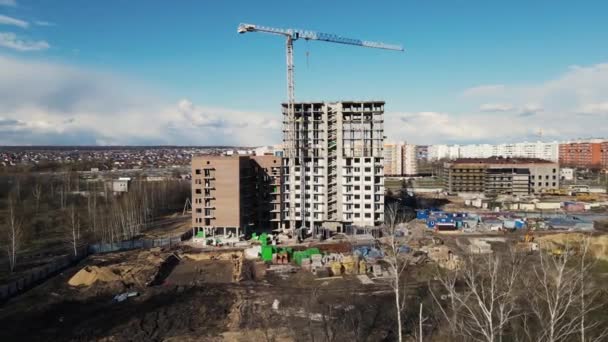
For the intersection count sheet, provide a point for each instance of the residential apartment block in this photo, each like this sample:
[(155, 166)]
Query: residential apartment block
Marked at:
[(236, 192), (541, 150), (501, 176), (422, 152), (590, 153), (393, 158), (410, 162), (333, 165), (400, 159)]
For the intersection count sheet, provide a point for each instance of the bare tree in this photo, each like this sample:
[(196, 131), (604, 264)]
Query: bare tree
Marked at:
[(590, 298), (481, 310), (447, 282), (421, 319), (37, 194), (74, 229), (14, 233), (563, 296), (553, 297), (391, 244)]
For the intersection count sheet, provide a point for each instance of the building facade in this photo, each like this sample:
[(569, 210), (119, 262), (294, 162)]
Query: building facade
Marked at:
[(333, 165), (584, 154), (236, 192), (400, 159), (410, 162), (393, 158), (541, 150), (422, 152), (501, 176)]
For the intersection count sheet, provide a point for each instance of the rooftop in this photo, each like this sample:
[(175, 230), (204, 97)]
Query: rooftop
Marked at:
[(501, 160)]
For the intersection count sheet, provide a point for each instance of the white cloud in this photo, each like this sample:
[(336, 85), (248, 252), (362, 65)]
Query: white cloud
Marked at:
[(462, 128), (531, 109), (48, 103), (573, 104), (495, 107), (43, 23), (490, 89), (6, 20), (11, 41), (595, 108), (10, 3)]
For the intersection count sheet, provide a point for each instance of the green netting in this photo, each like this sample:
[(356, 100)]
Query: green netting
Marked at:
[(263, 239), (267, 253), (312, 251)]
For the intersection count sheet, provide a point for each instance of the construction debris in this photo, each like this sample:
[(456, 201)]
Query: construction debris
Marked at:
[(364, 279), (124, 296)]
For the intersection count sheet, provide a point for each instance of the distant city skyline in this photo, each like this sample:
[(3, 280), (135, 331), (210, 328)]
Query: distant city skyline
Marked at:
[(135, 73)]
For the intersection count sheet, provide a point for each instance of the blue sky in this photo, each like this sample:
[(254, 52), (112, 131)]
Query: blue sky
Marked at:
[(481, 71)]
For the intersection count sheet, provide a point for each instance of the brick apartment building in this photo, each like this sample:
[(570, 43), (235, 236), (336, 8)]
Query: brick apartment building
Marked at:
[(501, 176), (584, 154), (236, 192)]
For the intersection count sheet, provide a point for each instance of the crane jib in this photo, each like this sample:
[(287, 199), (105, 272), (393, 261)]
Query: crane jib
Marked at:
[(312, 35)]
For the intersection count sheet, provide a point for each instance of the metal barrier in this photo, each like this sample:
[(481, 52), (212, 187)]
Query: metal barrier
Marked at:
[(38, 275)]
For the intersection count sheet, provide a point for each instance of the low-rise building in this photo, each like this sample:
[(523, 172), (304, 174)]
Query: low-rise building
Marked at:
[(500, 176), (121, 184), (566, 173)]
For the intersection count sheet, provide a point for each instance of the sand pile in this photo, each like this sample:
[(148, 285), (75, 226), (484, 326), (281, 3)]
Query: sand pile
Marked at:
[(598, 247), (90, 274)]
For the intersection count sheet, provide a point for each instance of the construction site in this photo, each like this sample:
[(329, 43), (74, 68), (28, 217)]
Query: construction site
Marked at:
[(307, 245)]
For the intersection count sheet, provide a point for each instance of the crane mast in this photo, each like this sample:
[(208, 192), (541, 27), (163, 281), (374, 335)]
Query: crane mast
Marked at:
[(292, 126)]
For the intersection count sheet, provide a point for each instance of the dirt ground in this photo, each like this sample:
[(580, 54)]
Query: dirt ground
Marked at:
[(196, 300)]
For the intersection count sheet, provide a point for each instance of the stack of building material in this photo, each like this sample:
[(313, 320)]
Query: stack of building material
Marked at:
[(377, 270), (574, 206), (336, 268), (332, 257), (350, 264), (315, 262), (480, 246), (305, 263), (362, 267), (282, 258)]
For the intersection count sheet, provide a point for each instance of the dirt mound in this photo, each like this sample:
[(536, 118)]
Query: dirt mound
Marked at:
[(598, 246), (90, 274), (129, 269)]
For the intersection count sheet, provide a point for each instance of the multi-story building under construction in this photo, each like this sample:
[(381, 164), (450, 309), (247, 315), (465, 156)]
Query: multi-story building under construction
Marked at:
[(333, 165), (236, 193)]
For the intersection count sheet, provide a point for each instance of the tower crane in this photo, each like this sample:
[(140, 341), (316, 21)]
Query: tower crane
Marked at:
[(292, 35)]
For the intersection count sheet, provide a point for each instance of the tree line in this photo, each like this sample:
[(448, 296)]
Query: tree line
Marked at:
[(42, 213)]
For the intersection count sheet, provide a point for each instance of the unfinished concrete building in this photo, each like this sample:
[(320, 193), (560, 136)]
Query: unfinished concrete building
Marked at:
[(333, 165), (501, 176), (233, 193)]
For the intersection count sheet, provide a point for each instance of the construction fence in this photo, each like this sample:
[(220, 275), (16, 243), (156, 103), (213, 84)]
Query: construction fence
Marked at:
[(38, 275)]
